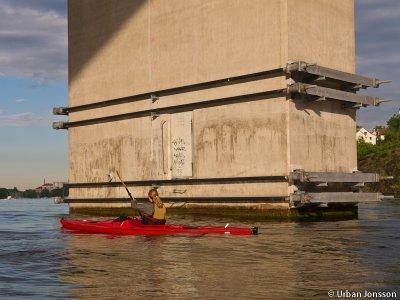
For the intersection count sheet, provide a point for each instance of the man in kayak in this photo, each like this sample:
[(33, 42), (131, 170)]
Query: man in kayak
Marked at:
[(153, 211)]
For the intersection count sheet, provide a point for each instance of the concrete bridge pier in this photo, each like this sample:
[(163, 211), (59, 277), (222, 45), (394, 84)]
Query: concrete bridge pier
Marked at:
[(229, 107)]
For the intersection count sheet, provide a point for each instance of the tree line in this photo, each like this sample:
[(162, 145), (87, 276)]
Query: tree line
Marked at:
[(383, 158), (15, 193)]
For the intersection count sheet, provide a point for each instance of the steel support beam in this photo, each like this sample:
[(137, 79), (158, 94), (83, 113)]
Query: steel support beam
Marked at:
[(155, 95), (327, 73), (60, 111), (60, 125), (173, 108), (222, 200), (300, 199), (322, 93), (189, 181), (314, 92), (303, 176)]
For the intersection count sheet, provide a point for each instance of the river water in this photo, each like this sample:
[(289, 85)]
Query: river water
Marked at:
[(287, 260)]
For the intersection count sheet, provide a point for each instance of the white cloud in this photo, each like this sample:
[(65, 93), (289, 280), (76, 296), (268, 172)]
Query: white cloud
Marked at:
[(33, 42), (389, 58), (21, 119), (378, 44), (20, 100), (380, 10)]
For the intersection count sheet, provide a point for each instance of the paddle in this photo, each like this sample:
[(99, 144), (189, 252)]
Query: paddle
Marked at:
[(126, 188)]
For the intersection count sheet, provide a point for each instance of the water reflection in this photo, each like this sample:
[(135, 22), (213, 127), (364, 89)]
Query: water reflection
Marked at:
[(287, 261)]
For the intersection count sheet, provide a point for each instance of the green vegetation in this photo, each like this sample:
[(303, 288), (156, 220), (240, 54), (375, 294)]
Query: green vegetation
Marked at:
[(30, 194), (15, 193), (4, 193), (383, 158), (62, 192)]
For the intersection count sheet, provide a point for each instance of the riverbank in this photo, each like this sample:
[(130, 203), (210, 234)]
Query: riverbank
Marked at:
[(385, 162), (383, 159)]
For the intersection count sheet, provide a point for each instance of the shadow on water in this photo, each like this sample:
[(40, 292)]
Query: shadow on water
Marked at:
[(288, 260)]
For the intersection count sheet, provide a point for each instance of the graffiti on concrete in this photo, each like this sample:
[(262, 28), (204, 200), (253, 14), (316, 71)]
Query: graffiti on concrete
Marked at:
[(179, 156)]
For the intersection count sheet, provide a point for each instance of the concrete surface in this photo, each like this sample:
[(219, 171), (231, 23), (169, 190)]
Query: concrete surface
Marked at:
[(120, 48)]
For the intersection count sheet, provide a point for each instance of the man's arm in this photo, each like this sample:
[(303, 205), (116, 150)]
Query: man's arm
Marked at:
[(145, 208), (134, 203)]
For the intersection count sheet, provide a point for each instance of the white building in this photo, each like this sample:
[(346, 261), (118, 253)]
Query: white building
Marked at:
[(379, 132), (367, 136)]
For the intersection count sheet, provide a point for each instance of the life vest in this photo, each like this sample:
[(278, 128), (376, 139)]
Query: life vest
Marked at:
[(159, 213)]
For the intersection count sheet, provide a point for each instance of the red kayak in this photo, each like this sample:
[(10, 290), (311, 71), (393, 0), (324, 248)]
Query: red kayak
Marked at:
[(135, 227)]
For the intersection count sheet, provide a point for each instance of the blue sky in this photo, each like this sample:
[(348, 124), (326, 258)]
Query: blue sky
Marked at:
[(33, 70)]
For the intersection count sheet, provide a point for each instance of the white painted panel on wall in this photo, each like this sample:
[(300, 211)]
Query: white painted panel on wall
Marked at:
[(181, 145)]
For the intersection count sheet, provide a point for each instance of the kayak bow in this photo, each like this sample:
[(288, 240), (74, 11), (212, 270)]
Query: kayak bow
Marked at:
[(135, 227)]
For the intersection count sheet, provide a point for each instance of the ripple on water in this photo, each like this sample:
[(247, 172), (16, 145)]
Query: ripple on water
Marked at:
[(286, 261)]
